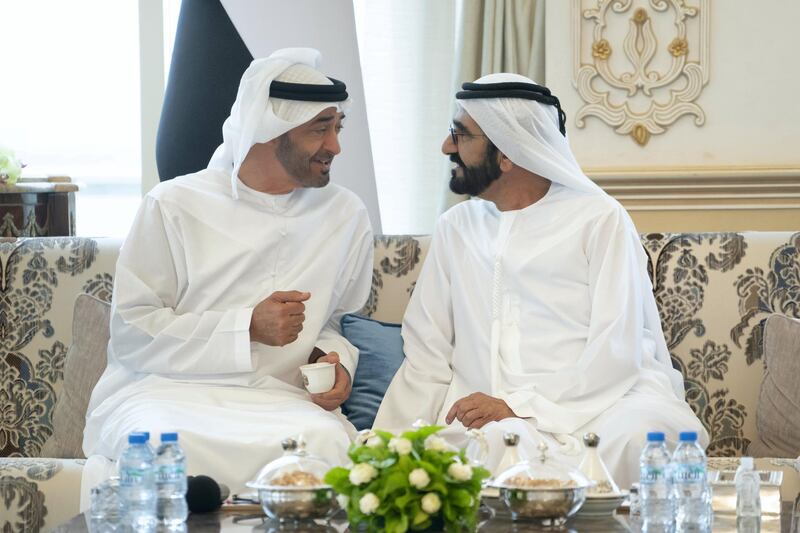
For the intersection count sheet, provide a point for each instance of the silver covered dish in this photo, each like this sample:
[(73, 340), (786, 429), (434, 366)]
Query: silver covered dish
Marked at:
[(292, 487), (542, 490)]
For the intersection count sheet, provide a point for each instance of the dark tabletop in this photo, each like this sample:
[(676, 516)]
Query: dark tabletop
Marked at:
[(247, 520)]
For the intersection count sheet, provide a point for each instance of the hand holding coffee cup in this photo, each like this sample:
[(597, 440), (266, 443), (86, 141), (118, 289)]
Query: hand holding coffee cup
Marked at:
[(334, 397), (318, 377)]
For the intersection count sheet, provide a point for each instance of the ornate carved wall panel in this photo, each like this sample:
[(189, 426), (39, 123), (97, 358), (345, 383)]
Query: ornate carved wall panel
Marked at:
[(640, 65)]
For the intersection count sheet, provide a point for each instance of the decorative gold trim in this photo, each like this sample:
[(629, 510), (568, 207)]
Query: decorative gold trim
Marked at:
[(601, 49), (640, 134), (678, 47), (640, 16), (608, 94)]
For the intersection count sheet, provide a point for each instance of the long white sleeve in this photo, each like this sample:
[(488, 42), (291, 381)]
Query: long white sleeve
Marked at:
[(147, 335), (610, 362), (419, 387), (350, 295)]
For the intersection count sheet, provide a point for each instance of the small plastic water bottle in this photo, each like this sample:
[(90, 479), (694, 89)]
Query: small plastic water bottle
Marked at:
[(137, 485), (147, 440), (655, 484), (690, 485), (172, 509), (748, 483)]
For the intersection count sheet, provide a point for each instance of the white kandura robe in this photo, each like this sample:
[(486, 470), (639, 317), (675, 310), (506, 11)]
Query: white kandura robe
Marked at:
[(560, 284), (194, 265)]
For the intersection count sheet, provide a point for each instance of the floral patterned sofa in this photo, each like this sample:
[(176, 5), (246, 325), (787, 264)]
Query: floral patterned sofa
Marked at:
[(714, 291)]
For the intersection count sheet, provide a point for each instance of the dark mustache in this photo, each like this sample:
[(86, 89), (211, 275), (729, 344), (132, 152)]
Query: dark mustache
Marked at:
[(455, 158)]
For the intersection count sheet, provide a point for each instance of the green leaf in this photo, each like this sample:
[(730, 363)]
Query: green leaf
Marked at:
[(394, 481), (461, 498), (403, 525), (437, 486), (420, 517), (422, 433), (402, 501), (386, 463), (339, 479), (406, 463), (385, 435), (449, 513), (392, 523), (422, 525), (337, 476)]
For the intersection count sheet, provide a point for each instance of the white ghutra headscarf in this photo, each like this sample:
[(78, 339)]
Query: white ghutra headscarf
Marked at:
[(527, 132), (256, 117)]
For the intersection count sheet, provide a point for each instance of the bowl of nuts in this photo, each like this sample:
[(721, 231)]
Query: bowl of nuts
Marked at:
[(542, 490), (291, 488)]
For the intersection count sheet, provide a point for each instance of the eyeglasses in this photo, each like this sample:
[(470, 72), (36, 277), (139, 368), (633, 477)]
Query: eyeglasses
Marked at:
[(455, 134)]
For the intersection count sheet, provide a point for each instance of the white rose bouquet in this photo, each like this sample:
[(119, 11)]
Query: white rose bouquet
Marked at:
[(408, 482)]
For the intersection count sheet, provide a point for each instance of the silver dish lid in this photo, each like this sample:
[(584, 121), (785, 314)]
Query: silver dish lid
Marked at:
[(541, 474), (295, 470)]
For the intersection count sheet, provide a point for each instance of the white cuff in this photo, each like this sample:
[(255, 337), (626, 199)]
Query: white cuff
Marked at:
[(520, 403), (242, 354)]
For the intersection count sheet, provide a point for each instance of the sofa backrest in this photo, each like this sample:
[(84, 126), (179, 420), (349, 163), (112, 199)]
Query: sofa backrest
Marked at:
[(40, 279), (714, 290)]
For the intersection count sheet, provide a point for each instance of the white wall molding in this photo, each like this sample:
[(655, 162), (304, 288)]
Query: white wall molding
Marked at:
[(702, 189)]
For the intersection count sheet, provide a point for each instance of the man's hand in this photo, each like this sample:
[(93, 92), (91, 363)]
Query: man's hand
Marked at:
[(278, 319), (341, 387), (478, 409)]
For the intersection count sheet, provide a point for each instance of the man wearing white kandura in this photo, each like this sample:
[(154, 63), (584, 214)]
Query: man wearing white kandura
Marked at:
[(533, 312), (234, 277)]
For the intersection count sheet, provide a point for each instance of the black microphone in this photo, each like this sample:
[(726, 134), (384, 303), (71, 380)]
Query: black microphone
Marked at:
[(204, 495)]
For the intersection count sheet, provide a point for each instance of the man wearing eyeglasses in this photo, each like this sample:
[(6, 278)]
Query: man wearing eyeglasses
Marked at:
[(533, 312)]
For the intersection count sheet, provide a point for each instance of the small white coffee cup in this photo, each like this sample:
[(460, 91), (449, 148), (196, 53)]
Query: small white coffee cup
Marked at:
[(318, 377)]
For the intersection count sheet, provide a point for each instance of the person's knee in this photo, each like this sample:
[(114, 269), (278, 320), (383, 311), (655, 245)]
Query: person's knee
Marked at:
[(327, 424)]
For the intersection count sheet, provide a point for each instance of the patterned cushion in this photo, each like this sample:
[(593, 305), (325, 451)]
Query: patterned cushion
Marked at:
[(41, 277), (398, 259), (779, 401), (86, 361), (714, 291), (38, 494)]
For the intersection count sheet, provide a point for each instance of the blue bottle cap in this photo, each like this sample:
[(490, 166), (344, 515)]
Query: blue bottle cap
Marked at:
[(137, 438), (146, 435), (169, 437), (655, 436), (688, 436)]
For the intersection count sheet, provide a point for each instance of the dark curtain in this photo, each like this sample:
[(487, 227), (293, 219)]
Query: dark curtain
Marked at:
[(208, 61)]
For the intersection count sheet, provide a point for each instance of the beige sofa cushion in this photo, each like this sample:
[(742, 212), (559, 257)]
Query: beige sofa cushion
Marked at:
[(85, 362), (778, 412)]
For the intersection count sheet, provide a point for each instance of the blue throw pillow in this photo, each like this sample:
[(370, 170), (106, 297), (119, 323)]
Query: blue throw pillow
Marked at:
[(380, 355)]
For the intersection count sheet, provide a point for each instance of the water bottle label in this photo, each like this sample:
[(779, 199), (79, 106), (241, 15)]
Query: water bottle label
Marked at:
[(170, 473), (132, 476), (689, 474), (650, 475)]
